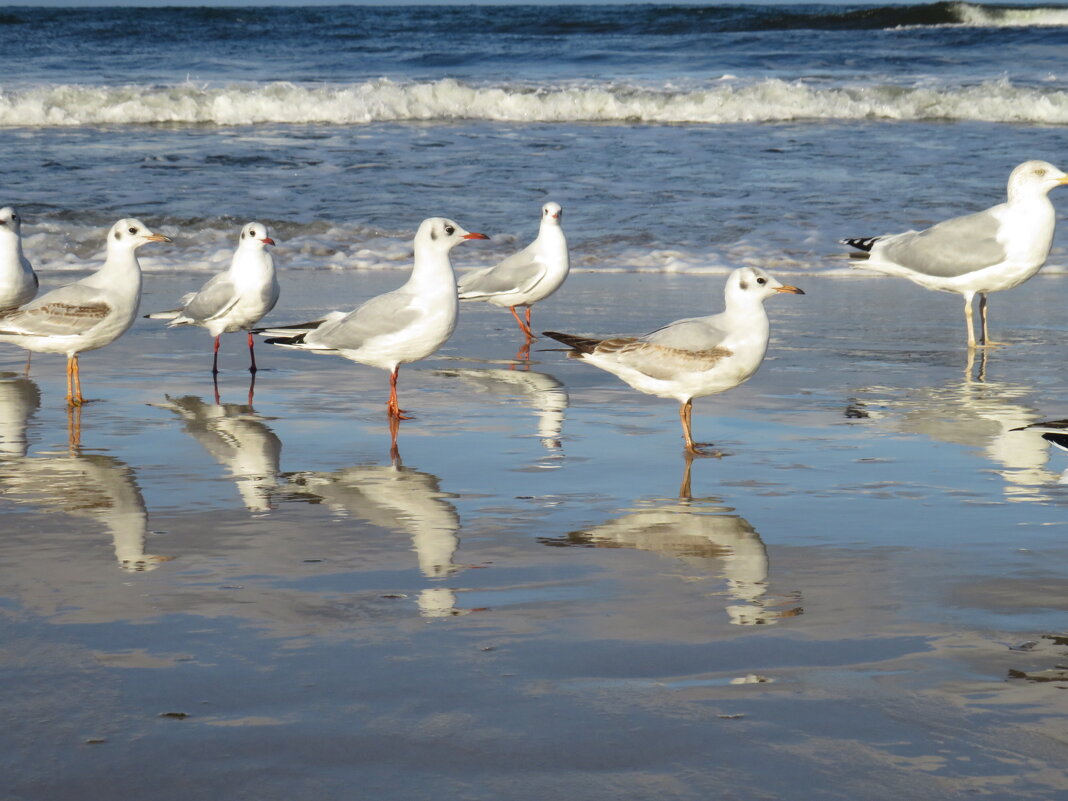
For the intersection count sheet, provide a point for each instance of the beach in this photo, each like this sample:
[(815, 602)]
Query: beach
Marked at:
[(240, 590), (863, 592)]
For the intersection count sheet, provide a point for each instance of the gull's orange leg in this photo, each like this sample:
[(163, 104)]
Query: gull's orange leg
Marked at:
[(78, 399), (392, 406), (74, 382), (685, 411), (251, 354), (686, 416), (524, 327)]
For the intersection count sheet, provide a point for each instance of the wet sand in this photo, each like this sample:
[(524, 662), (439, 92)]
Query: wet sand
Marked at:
[(862, 598)]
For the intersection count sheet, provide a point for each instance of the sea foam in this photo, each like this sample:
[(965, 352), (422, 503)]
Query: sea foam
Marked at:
[(446, 100)]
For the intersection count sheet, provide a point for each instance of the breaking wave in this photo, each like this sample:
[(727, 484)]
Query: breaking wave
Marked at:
[(447, 100)]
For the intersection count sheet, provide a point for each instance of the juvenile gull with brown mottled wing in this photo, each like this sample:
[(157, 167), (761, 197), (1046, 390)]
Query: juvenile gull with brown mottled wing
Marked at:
[(89, 313), (694, 357)]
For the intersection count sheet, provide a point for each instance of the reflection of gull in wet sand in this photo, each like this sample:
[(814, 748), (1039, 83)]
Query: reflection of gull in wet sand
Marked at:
[(1055, 432), (19, 399), (979, 414), (991, 250), (396, 498), (547, 396), (705, 537), (239, 440), (95, 486)]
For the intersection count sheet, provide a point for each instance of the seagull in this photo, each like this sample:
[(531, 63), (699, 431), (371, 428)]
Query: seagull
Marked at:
[(396, 328), (236, 299), (18, 281), (693, 357), (988, 251), (89, 313), (526, 277)]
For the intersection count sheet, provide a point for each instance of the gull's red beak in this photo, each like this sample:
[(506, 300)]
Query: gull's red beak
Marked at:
[(267, 240), (475, 236)]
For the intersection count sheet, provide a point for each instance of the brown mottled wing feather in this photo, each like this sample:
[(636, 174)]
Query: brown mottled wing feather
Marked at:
[(656, 361), (660, 361), (54, 318)]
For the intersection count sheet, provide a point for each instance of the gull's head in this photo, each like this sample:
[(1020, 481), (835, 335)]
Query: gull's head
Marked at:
[(130, 234), (442, 235), (552, 213), (1034, 178), (10, 222), (752, 283), (255, 234)]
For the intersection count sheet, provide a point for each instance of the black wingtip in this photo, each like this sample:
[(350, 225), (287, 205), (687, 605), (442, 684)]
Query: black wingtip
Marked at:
[(296, 340), (579, 344), (864, 243), (304, 327)]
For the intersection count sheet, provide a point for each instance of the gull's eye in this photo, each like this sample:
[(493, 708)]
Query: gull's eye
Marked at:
[(762, 281), (450, 230), (1039, 173), (133, 230)]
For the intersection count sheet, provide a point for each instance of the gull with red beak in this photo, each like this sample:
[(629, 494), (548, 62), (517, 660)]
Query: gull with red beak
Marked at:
[(694, 357), (89, 313), (524, 278), (234, 300), (399, 327)]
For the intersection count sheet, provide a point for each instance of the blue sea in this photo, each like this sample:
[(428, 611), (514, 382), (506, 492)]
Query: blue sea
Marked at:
[(678, 138)]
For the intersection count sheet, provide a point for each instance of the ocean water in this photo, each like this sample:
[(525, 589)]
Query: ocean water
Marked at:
[(678, 139)]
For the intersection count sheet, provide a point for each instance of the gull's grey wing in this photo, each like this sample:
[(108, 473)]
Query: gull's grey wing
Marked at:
[(659, 361), (212, 299), (949, 249), (694, 334), (68, 310), (379, 317), (520, 271)]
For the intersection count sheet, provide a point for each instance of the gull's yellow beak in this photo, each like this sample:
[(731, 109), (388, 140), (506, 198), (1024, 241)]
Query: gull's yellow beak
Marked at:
[(793, 290), (158, 238)]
